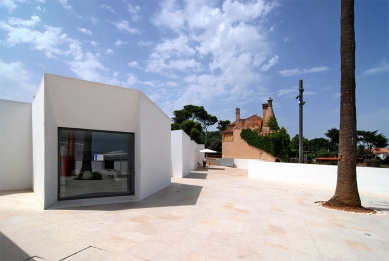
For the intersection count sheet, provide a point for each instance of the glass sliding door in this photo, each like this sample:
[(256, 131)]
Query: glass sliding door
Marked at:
[(94, 163)]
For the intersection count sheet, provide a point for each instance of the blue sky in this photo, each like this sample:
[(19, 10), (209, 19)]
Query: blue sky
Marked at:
[(218, 54)]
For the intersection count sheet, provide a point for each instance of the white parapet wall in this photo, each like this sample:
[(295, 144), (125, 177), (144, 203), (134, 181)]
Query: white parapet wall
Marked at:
[(243, 163), (370, 180), (184, 154), (15, 145)]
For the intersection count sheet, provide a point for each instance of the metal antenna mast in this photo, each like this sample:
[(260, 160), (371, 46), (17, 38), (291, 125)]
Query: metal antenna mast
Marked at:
[(301, 137)]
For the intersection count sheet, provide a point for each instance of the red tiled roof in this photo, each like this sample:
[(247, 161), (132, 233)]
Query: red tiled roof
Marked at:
[(381, 151), (324, 158)]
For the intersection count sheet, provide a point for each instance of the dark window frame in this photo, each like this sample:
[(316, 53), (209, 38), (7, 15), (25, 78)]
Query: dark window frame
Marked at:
[(131, 151)]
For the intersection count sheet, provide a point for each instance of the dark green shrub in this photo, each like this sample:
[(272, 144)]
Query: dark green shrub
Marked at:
[(332, 162), (324, 153), (373, 162), (276, 143), (386, 160), (309, 158)]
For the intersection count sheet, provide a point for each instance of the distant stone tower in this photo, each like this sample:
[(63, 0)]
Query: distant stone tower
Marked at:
[(267, 114)]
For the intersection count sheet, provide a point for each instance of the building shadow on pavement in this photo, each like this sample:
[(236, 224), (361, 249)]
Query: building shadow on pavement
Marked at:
[(11, 251), (176, 194), (196, 175)]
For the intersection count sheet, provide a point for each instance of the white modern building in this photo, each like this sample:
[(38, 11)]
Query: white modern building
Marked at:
[(89, 140)]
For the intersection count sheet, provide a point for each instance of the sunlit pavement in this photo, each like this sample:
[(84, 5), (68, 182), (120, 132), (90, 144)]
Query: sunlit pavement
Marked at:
[(212, 214)]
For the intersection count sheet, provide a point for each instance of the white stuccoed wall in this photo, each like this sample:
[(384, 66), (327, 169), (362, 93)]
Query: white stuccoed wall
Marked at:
[(176, 153), (370, 180), (72, 103), (38, 143), (155, 153), (15, 145), (185, 153), (243, 163), (200, 155)]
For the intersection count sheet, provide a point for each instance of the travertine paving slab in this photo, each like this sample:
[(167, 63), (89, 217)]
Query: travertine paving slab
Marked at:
[(208, 215)]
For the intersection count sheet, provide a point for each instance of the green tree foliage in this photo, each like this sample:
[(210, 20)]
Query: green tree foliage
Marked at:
[(214, 141), (325, 153), (194, 113), (221, 125), (180, 116), (193, 129), (333, 135), (273, 124), (175, 126), (294, 145), (319, 144), (276, 143), (369, 140)]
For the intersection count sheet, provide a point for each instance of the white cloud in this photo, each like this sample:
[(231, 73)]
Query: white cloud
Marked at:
[(134, 12), (84, 31), (94, 43), (65, 4), (93, 20), (55, 44), (124, 25), (118, 43), (47, 41), (171, 84), (245, 11), (133, 64), (88, 67), (270, 63), (115, 74), (108, 8), (16, 83), (288, 92), (213, 47), (382, 68), (296, 71), (169, 15), (175, 48), (109, 51), (10, 4), (286, 39), (143, 43), (131, 79), (28, 23), (258, 59), (38, 8)]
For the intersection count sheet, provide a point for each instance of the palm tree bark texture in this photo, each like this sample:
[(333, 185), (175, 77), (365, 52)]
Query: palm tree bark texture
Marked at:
[(346, 193)]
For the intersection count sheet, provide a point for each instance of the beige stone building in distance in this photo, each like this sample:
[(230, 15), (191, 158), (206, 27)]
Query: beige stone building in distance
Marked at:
[(233, 146)]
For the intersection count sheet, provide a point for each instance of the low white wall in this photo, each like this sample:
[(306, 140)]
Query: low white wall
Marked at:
[(185, 153), (176, 153), (370, 180), (244, 163), (155, 163), (15, 145), (188, 152)]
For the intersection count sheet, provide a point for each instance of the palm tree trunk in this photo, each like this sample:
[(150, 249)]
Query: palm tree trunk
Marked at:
[(346, 193), (87, 153)]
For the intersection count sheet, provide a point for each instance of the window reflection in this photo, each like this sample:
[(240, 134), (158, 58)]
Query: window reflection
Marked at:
[(95, 163)]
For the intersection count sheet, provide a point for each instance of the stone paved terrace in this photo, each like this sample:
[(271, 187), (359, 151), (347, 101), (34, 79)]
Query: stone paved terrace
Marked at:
[(209, 215)]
